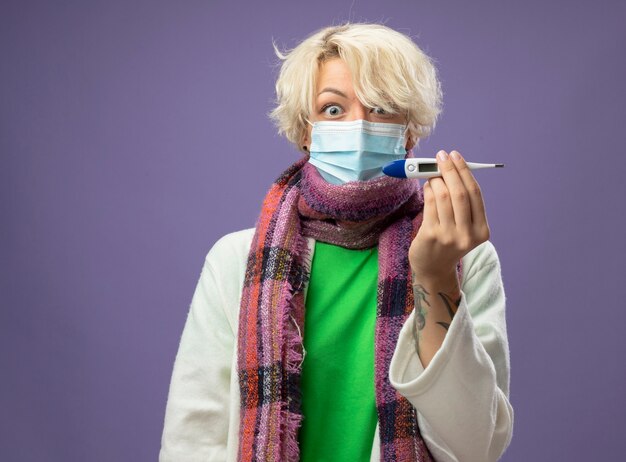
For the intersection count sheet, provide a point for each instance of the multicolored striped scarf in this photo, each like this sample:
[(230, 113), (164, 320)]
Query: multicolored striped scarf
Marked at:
[(384, 212)]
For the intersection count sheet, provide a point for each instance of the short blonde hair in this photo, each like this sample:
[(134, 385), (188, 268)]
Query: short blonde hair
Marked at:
[(389, 71)]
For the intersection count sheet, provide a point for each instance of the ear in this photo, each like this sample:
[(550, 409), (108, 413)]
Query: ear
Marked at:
[(305, 141), (410, 143)]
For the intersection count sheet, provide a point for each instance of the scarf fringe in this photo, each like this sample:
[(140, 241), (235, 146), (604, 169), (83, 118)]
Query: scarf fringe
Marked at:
[(292, 322)]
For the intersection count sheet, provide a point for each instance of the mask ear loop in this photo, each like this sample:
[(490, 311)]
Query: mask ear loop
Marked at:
[(408, 140), (306, 119), (408, 121)]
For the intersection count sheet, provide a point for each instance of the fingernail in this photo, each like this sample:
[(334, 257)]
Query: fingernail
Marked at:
[(455, 155), (441, 155)]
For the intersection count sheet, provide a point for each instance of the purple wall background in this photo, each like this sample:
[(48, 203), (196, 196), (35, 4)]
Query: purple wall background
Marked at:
[(118, 118)]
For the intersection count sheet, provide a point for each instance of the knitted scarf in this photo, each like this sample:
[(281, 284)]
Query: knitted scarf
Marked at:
[(358, 215)]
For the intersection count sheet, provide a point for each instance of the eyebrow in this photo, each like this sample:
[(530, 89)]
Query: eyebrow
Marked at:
[(332, 90)]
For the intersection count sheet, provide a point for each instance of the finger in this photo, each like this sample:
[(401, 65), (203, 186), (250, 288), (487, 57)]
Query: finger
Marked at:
[(445, 211), (458, 193), (473, 189), (430, 206)]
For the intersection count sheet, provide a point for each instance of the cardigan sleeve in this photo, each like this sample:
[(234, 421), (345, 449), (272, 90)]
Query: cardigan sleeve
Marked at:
[(198, 405), (461, 398)]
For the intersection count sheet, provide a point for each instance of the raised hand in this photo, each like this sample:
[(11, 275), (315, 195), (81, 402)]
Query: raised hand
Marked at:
[(454, 223)]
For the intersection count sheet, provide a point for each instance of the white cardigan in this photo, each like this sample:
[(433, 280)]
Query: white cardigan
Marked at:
[(462, 401)]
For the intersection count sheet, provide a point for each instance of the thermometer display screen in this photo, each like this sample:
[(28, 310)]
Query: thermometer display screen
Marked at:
[(428, 167)]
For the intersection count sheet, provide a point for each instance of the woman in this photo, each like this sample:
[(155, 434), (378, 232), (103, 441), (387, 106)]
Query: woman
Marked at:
[(363, 318)]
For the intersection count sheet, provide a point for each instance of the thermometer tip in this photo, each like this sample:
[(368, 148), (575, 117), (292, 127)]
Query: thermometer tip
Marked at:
[(395, 169), (499, 165)]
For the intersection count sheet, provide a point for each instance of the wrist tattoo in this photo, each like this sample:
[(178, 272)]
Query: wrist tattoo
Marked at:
[(449, 303), (419, 319), (421, 302), (419, 294)]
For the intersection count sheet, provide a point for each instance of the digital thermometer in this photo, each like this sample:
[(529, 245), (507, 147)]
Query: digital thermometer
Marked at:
[(422, 167)]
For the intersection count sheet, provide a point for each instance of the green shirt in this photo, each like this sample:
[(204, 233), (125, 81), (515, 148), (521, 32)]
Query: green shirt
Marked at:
[(338, 390)]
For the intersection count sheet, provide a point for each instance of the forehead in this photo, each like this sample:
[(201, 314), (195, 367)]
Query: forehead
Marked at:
[(336, 74)]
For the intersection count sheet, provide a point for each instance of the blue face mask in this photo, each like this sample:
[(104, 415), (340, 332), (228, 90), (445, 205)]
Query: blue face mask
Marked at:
[(355, 150)]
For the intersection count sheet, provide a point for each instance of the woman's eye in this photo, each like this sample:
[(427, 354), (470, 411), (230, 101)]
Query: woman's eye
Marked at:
[(379, 111), (332, 111)]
